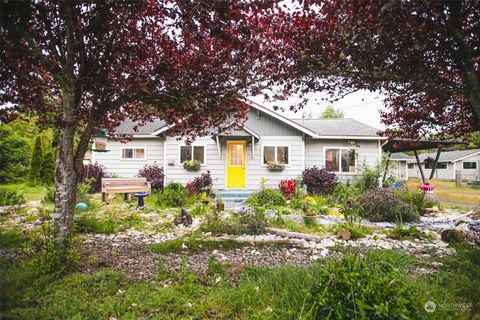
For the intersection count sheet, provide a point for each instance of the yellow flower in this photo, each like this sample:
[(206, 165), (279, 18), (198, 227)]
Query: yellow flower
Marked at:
[(309, 199)]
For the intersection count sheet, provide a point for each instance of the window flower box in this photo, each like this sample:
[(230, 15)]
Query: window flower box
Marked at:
[(193, 165), (275, 166)]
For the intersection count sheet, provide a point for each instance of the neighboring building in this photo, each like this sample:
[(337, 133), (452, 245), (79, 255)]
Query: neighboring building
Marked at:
[(466, 161), (238, 158)]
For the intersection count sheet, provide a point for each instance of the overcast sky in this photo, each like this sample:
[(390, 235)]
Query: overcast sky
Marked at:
[(363, 106)]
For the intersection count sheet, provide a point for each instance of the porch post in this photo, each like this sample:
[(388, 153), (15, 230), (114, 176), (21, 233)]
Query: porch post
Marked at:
[(419, 165), (434, 168)]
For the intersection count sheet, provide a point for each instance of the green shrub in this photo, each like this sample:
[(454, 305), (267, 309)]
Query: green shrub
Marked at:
[(49, 196), (88, 223), (48, 167), (412, 232), (10, 198), (418, 200), (357, 231), (36, 161), (266, 197), (385, 205), (43, 255), (174, 195), (11, 239)]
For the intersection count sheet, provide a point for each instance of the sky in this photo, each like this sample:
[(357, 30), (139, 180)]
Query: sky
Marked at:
[(361, 105)]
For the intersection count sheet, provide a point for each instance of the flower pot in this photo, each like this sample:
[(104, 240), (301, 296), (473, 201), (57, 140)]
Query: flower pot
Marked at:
[(192, 168), (279, 168)]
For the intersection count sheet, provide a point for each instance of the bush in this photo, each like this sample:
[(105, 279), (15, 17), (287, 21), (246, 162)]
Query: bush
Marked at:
[(43, 254), (36, 162), (49, 196), (48, 168), (385, 205), (200, 183), (417, 200), (10, 198), (266, 197), (318, 181), (174, 195), (154, 175), (288, 187), (95, 171)]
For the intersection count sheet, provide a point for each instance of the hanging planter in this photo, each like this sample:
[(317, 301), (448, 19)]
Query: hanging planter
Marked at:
[(275, 166), (193, 165)]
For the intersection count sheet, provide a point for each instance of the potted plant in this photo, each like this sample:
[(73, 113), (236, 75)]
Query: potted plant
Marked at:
[(309, 214), (193, 165), (275, 166)]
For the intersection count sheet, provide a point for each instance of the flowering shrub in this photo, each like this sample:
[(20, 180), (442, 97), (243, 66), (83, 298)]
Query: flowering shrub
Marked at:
[(199, 183), (93, 173), (154, 175), (385, 205), (318, 181), (288, 187), (266, 197)]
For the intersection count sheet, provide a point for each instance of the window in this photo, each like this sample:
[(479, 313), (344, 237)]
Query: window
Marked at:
[(133, 154), (411, 166), (189, 153), (469, 165), (340, 160), (276, 154), (440, 165), (236, 155)]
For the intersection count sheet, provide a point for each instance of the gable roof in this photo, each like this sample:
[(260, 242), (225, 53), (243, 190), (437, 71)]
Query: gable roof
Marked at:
[(450, 156), (127, 126), (334, 128), (315, 128), (445, 156), (400, 156)]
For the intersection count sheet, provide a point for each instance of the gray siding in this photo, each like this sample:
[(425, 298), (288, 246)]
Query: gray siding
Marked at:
[(445, 174), (129, 168), (469, 174), (266, 125), (176, 173), (256, 170), (368, 153)]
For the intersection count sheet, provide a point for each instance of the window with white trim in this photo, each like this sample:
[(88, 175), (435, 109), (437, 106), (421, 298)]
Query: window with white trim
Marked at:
[(189, 153), (275, 154), (133, 154), (440, 165), (467, 165), (411, 166), (340, 159)]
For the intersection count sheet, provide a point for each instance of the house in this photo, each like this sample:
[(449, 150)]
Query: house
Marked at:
[(465, 161), (240, 158)]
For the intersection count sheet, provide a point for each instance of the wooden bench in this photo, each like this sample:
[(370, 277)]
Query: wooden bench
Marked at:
[(125, 186)]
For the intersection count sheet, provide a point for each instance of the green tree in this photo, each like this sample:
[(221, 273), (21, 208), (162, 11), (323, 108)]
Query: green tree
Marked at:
[(48, 167), (14, 155), (36, 162), (331, 113)]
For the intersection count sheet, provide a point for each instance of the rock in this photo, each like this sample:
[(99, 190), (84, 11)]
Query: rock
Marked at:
[(33, 211), (177, 221), (344, 234), (186, 218), (450, 235)]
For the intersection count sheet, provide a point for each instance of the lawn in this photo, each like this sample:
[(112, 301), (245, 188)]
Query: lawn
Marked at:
[(446, 190), (30, 193), (126, 263)]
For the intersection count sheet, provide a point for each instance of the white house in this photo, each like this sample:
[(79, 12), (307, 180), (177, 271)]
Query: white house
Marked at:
[(466, 161), (240, 159)]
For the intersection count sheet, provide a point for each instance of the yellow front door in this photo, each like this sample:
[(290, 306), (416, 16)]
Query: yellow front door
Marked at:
[(236, 164)]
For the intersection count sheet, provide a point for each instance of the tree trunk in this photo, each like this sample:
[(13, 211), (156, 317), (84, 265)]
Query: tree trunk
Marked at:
[(66, 175)]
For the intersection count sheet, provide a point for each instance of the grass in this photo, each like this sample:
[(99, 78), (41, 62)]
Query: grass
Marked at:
[(446, 190), (410, 233), (11, 239), (31, 193), (379, 284)]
